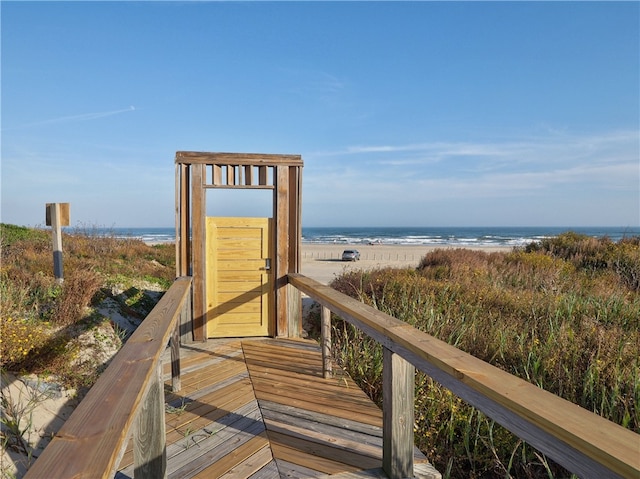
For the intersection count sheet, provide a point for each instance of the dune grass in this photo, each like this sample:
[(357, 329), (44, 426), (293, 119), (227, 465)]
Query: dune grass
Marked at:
[(562, 314), (39, 318)]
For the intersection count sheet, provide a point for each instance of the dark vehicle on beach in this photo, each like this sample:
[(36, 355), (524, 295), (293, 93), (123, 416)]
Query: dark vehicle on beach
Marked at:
[(350, 255)]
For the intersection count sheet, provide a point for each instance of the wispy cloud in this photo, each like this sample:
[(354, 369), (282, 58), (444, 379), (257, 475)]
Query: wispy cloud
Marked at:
[(540, 152), (517, 167), (79, 118)]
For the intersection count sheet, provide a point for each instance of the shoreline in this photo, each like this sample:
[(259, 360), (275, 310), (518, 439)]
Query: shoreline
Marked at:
[(323, 261)]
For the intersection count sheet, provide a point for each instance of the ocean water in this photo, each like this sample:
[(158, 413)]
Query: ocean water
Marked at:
[(426, 235)]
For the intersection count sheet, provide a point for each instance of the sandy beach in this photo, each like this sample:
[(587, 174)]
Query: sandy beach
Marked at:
[(323, 262)]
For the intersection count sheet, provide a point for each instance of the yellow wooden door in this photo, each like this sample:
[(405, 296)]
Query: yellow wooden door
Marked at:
[(239, 280)]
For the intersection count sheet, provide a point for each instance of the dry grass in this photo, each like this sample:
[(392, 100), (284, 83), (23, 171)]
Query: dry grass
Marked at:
[(42, 319), (562, 314)]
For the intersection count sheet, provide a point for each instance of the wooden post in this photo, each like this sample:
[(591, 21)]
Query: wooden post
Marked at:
[(149, 436), (281, 209), (198, 240), (186, 319), (175, 358), (294, 312), (325, 329), (397, 415), (57, 216)]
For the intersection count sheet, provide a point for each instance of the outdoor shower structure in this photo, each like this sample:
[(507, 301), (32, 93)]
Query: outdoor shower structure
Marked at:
[(239, 265)]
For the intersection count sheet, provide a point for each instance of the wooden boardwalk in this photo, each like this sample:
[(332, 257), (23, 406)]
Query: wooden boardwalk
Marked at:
[(260, 408)]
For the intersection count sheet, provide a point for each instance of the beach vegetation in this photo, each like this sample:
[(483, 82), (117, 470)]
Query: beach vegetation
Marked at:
[(44, 324), (561, 313)]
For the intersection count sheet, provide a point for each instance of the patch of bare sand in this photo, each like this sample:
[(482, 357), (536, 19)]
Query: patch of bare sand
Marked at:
[(323, 262)]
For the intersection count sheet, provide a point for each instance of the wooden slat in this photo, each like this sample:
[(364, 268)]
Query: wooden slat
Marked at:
[(217, 446), (263, 175), (284, 412), (269, 471), (231, 175), (326, 436), (216, 173), (317, 456), (253, 463), (248, 175), (307, 414), (237, 458), (291, 470)]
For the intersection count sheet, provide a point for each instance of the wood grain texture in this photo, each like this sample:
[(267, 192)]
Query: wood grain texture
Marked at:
[(262, 159), (225, 426), (95, 434), (314, 424), (282, 249), (198, 231), (398, 385)]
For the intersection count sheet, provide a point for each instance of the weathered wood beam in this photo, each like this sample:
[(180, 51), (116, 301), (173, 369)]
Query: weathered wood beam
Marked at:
[(198, 252), (149, 434), (257, 159), (325, 331), (282, 254), (397, 415)]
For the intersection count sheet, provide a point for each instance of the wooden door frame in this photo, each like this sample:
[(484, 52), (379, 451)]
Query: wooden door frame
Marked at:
[(199, 172)]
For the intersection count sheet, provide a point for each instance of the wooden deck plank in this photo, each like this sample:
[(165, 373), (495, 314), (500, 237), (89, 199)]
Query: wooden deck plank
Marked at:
[(253, 464), (235, 463), (295, 415), (215, 447), (269, 471), (319, 407), (211, 375), (317, 457), (210, 429), (289, 375), (210, 403), (321, 390), (351, 445), (291, 470), (259, 408)]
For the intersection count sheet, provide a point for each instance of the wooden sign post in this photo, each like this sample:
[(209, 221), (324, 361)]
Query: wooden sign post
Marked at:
[(57, 216)]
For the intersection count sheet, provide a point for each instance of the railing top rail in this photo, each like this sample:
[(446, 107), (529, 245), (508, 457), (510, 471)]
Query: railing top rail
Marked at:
[(95, 434), (571, 435)]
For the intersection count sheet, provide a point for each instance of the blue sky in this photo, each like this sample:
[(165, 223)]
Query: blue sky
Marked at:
[(416, 113)]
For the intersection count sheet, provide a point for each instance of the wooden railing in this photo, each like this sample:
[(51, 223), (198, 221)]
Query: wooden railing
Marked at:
[(582, 442), (128, 398)]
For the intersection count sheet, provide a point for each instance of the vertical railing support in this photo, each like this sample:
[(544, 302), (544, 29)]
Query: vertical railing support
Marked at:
[(294, 311), (175, 358), (325, 331), (149, 437), (186, 321), (397, 415)]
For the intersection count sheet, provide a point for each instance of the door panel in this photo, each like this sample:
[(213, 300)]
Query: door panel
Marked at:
[(239, 285)]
